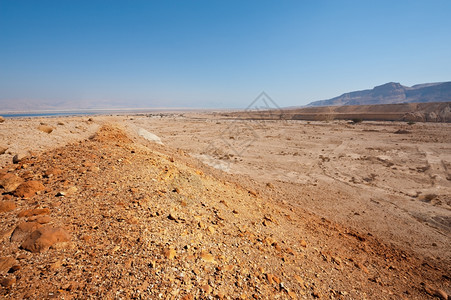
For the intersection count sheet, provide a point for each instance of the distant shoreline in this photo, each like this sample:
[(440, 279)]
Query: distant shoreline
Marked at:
[(91, 112), (49, 114)]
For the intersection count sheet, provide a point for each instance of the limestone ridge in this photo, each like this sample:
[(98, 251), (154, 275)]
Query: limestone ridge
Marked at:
[(392, 93)]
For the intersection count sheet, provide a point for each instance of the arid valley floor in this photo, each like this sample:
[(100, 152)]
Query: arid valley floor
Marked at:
[(224, 208)]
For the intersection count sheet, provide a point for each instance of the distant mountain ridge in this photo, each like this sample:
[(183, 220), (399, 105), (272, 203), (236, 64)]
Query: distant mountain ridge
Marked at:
[(392, 93)]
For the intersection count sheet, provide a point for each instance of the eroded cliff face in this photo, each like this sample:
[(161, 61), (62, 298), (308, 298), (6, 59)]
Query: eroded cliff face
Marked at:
[(440, 112)]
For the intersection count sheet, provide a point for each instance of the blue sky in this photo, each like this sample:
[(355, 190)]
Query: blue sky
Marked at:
[(216, 53)]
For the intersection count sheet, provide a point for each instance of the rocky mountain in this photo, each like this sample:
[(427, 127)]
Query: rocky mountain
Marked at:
[(392, 93)]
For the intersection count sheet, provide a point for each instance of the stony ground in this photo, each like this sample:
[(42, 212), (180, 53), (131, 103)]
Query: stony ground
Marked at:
[(114, 216), (390, 179)]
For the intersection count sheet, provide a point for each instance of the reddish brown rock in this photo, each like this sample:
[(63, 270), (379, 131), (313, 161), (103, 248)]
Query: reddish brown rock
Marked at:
[(29, 189), (272, 278), (43, 219), (33, 212), (53, 172), (6, 206), (6, 263), (435, 292), (23, 230), (3, 150), (8, 282), (10, 182), (43, 238)]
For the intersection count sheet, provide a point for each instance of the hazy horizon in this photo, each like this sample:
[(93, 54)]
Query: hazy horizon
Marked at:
[(205, 54)]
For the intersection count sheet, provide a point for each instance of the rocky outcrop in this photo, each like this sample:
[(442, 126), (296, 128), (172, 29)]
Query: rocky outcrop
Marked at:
[(392, 93)]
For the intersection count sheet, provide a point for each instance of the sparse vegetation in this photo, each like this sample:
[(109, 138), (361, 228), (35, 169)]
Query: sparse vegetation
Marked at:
[(411, 123), (402, 131), (356, 120), (429, 197)]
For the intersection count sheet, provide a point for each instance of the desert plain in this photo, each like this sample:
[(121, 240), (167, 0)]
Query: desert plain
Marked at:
[(206, 205)]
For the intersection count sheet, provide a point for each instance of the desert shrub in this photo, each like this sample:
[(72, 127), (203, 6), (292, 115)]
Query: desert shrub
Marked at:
[(410, 123), (429, 197), (356, 120), (402, 131)]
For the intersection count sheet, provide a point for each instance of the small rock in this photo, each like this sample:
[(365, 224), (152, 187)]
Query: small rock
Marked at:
[(28, 189), (172, 217), (10, 182), (292, 295), (70, 191), (253, 193), (6, 206), (152, 264), (52, 172), (435, 292), (45, 128), (204, 255), (43, 219), (169, 253), (303, 243), (3, 150), (276, 246), (211, 229), (19, 157), (86, 238), (6, 263), (442, 294), (228, 267), (299, 280), (33, 212), (272, 278), (2, 119), (43, 238), (22, 256), (206, 288), (23, 230), (14, 269), (316, 293), (361, 267), (8, 282), (290, 251)]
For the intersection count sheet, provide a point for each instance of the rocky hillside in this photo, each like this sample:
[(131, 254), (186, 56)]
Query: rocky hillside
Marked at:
[(408, 112), (392, 93), (114, 216)]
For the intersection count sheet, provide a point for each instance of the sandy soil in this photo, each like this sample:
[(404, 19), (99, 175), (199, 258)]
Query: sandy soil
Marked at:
[(330, 209), (396, 186)]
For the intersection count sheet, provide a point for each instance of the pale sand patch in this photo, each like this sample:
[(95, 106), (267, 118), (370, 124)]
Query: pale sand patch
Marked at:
[(149, 136)]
